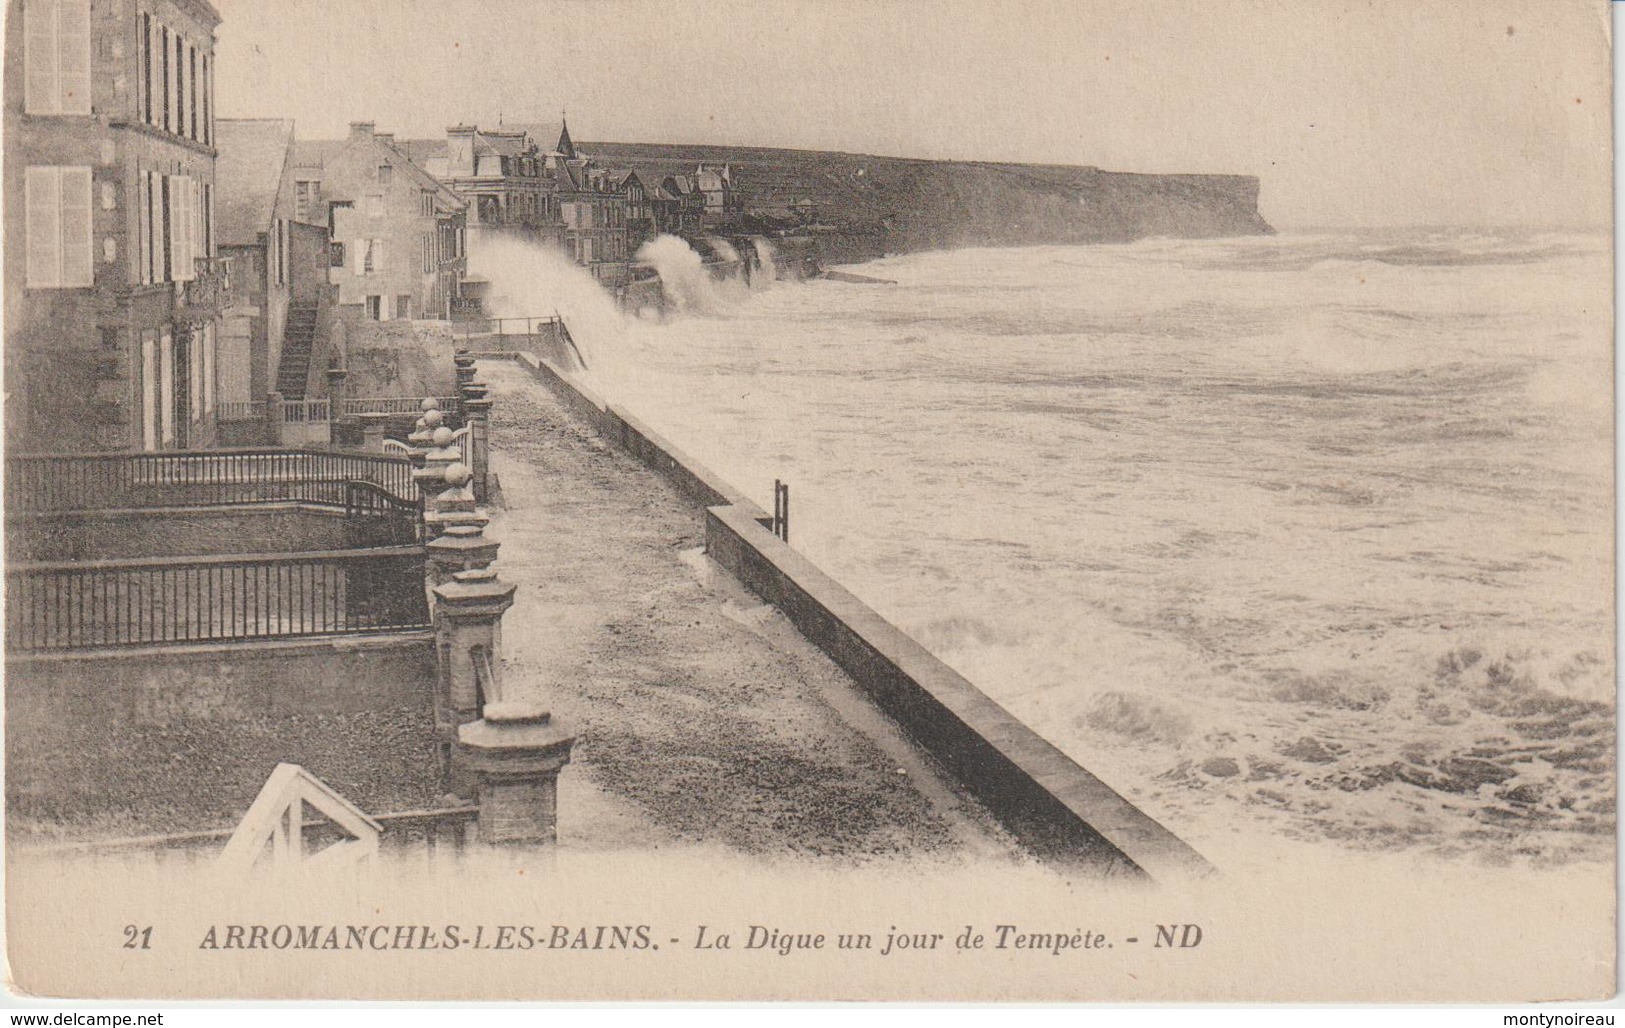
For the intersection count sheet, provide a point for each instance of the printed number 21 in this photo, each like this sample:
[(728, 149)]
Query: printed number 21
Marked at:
[(137, 938)]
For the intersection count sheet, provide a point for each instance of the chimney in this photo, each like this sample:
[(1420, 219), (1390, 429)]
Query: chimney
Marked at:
[(361, 129), (460, 150), (386, 138)]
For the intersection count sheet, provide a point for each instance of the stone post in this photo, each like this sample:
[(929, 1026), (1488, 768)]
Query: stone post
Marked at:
[(468, 628), (514, 754), (372, 432), (477, 417), (273, 417), (335, 393), (459, 548), (454, 505)]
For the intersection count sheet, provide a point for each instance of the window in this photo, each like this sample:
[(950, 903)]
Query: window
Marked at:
[(194, 367), (386, 175), (369, 256), (163, 52), (375, 308), (428, 203), (180, 85), (56, 57), (208, 367), (191, 89), (208, 102), (306, 196), (428, 254), (335, 255), (146, 69), (403, 306), (58, 229), (372, 205)]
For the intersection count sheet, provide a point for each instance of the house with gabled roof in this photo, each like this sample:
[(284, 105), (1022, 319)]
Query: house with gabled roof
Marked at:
[(504, 177), (399, 236)]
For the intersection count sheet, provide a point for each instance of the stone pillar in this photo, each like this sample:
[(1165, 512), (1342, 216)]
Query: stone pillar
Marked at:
[(459, 548), (335, 393), (515, 754), (273, 417), (477, 417), (372, 432), (468, 630), (454, 505)]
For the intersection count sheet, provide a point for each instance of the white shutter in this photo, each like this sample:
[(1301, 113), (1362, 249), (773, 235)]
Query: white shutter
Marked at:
[(43, 201), (41, 76), (78, 260), (196, 188), (73, 65), (166, 387), (149, 392), (171, 80)]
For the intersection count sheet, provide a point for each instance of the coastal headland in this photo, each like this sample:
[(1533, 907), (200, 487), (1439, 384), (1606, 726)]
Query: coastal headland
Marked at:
[(858, 206)]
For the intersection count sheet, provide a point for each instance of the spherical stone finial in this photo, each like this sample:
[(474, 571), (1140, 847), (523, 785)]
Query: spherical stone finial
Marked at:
[(457, 473), (433, 419), (429, 403), (422, 425), (442, 437)]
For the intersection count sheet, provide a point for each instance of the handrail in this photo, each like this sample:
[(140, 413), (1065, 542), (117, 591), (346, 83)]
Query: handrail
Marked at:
[(211, 560)]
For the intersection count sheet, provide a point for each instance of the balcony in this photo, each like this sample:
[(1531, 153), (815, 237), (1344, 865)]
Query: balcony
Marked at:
[(209, 293)]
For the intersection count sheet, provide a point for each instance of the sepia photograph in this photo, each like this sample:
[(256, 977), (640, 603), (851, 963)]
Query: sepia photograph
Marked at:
[(809, 500)]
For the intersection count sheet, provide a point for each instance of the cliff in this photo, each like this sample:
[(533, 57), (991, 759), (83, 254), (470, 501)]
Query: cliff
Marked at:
[(868, 205)]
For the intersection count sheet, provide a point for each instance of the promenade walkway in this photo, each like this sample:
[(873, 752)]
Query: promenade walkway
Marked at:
[(704, 717)]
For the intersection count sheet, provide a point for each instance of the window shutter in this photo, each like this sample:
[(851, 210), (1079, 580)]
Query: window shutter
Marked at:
[(73, 64), (166, 387), (77, 247), (149, 391), (43, 200), (40, 78), (378, 256)]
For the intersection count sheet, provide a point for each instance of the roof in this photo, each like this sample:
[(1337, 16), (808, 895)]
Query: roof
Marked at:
[(321, 152), (252, 154)]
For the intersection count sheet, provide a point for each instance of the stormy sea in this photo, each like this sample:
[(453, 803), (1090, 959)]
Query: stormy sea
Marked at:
[(1304, 538)]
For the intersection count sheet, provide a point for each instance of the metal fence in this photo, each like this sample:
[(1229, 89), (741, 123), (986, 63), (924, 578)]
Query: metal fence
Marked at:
[(70, 605), (60, 483), (239, 410), (507, 326)]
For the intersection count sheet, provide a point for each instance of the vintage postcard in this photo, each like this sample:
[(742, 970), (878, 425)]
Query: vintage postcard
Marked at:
[(1058, 500)]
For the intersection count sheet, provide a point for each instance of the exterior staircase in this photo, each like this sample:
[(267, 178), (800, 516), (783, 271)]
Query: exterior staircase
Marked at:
[(298, 337)]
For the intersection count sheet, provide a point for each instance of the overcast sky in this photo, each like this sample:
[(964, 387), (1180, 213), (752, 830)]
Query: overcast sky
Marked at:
[(1472, 112)]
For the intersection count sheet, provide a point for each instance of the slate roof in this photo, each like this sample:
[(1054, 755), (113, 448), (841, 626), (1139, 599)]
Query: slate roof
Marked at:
[(252, 155)]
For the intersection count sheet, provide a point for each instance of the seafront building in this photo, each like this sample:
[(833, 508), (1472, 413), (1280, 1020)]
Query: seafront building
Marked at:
[(503, 176), (279, 263), (399, 246), (114, 292)]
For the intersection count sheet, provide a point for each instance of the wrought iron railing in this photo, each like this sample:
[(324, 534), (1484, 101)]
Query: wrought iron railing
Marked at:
[(59, 483), (79, 604), (510, 326)]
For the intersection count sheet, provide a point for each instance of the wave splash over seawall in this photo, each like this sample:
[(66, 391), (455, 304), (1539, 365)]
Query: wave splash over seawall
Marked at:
[(1297, 538)]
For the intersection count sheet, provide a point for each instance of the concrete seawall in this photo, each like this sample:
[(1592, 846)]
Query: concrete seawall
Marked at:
[(1055, 807)]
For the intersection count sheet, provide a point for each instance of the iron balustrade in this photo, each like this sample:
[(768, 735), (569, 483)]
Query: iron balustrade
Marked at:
[(236, 598), (61, 483)]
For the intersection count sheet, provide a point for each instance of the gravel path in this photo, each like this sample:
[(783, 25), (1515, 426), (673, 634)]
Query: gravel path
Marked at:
[(703, 715)]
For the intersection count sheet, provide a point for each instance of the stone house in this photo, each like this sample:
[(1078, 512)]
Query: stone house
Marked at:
[(113, 288), (505, 178), (278, 263), (398, 237)]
